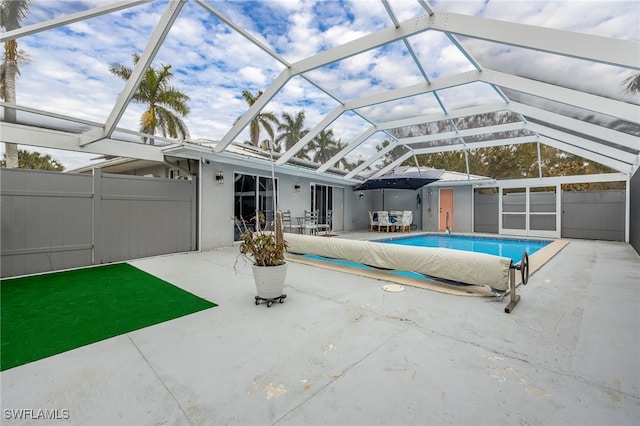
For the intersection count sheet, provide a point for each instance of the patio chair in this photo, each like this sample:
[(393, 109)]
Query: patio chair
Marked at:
[(383, 220), (395, 217), (286, 221), (407, 220), (373, 220), (310, 222), (326, 227)]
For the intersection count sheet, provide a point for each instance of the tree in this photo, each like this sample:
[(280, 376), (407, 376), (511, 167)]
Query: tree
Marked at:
[(12, 14), (324, 146), (166, 104), (346, 164), (292, 130), (631, 84), (392, 155), (263, 119), (35, 161)]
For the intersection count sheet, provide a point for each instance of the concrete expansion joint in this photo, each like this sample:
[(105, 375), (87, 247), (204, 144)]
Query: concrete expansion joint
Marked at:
[(333, 379), (155, 373)]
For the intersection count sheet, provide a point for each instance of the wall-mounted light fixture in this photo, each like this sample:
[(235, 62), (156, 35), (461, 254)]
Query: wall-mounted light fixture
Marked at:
[(361, 195), (296, 186), (220, 177)]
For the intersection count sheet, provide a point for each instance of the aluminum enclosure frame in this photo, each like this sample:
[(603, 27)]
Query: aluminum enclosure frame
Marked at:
[(100, 139)]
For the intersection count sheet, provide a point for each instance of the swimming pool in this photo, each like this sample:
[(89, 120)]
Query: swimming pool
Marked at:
[(504, 247)]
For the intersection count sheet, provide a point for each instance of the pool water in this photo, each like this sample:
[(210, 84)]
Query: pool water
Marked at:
[(504, 247), (361, 266)]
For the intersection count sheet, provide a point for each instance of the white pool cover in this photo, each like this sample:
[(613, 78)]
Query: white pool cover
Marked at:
[(455, 265)]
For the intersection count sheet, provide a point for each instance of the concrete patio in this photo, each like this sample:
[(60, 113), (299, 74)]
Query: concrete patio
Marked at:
[(340, 350)]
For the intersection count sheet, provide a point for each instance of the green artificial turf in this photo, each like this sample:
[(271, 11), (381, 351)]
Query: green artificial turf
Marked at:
[(45, 315)]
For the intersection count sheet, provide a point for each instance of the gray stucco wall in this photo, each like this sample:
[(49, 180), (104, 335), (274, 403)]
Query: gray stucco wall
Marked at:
[(462, 208), (217, 202)]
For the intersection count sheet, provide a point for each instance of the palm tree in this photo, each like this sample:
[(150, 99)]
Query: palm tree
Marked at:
[(263, 119), (292, 130), (166, 104), (36, 161), (631, 84), (346, 164), (12, 14), (325, 146)]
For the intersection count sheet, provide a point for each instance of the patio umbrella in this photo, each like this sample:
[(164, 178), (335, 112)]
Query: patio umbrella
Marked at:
[(407, 180)]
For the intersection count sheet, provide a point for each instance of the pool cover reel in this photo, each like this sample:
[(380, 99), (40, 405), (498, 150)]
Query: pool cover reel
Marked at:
[(465, 267)]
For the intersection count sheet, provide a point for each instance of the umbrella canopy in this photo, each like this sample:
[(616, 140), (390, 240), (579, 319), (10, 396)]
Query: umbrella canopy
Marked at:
[(409, 180)]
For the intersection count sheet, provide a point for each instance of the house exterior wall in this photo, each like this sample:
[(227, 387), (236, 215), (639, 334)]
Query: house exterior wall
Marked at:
[(462, 208), (216, 210), (159, 171)]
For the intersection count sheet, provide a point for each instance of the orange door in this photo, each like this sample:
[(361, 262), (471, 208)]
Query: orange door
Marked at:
[(446, 209)]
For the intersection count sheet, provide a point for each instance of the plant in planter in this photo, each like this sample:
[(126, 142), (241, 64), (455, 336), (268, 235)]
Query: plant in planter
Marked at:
[(266, 251)]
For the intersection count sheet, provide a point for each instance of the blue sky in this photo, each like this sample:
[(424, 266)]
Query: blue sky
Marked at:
[(69, 68)]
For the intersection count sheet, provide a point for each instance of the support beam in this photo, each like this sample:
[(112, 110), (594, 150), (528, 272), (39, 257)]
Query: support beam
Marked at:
[(599, 104), (389, 167), (242, 32), (586, 144), (432, 118), (254, 109), (371, 160), (560, 180), (347, 149), (368, 42), (330, 118), (594, 48), (153, 45), (363, 44), (477, 145), (509, 127), (55, 139), (69, 19), (415, 89), (578, 126), (589, 155)]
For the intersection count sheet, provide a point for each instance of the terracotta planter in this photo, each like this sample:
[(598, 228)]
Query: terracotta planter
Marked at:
[(269, 280)]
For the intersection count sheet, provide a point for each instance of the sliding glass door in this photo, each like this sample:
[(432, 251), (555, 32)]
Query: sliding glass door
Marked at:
[(253, 193), (322, 200)]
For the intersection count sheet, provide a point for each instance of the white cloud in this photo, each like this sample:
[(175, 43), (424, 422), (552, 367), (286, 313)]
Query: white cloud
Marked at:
[(69, 73)]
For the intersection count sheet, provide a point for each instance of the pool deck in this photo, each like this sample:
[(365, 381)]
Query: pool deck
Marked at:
[(340, 350)]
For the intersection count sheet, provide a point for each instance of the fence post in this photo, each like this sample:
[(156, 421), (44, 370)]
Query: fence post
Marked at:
[(96, 225)]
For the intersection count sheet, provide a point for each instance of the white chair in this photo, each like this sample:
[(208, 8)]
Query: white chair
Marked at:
[(373, 220), (310, 222), (407, 220), (326, 227), (286, 221), (383, 220), (395, 217)]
